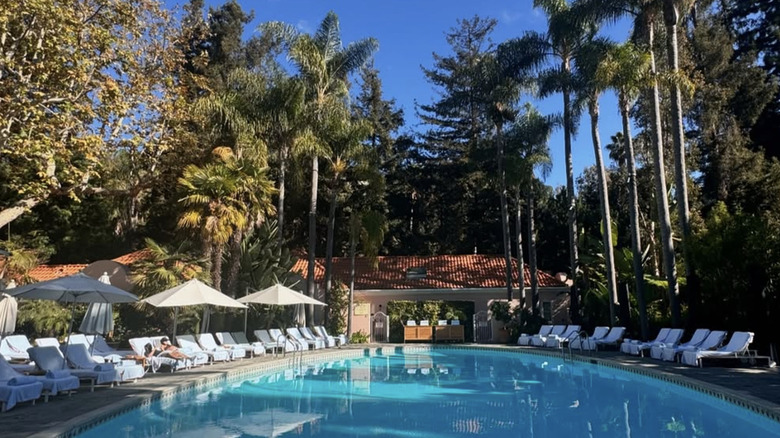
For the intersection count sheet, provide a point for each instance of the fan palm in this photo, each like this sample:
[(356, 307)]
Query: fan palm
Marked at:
[(625, 69), (324, 66), (644, 13), (560, 45)]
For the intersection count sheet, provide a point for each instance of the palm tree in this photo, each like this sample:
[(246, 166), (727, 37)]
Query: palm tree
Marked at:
[(528, 152), (369, 228), (626, 70), (644, 13), (346, 144), (589, 89), (324, 66)]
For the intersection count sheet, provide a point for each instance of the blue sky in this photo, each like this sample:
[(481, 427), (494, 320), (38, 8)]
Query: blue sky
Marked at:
[(410, 31)]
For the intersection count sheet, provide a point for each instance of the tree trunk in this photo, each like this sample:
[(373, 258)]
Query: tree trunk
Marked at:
[(671, 17), (606, 218), (529, 205), (504, 211), (329, 243), (231, 285), (636, 238), (352, 251), (310, 281), (574, 303), (519, 240), (664, 221), (283, 154), (216, 267)]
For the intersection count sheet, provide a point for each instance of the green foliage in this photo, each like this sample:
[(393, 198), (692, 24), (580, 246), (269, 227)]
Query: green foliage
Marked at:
[(400, 311), (359, 337), (338, 305), (42, 318)]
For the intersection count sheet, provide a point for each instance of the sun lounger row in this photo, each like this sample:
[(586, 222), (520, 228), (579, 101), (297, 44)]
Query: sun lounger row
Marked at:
[(556, 336), (704, 343)]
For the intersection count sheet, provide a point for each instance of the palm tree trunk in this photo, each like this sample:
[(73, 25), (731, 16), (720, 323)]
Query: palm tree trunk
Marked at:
[(231, 284), (519, 238), (504, 211), (665, 222), (636, 238), (352, 251), (329, 243), (283, 155), (529, 205), (574, 258), (216, 267), (671, 17), (606, 218), (310, 283)]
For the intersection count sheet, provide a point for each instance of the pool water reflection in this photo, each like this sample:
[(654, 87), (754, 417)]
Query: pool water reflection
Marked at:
[(444, 393)]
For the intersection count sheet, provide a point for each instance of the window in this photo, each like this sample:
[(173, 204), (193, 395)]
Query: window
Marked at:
[(547, 310), (415, 273)]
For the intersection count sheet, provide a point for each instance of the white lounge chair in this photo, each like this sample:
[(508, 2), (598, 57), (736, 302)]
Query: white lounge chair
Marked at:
[(737, 346), (17, 390), (625, 347), (711, 342), (309, 336), (555, 341), (298, 337), (188, 343), (241, 338), (78, 357), (156, 362), (270, 343), (672, 338), (341, 338), (15, 347), (207, 341), (54, 382), (538, 340), (227, 339), (47, 342), (330, 341), (50, 359), (656, 351), (101, 347), (78, 338), (525, 338), (613, 338), (290, 344), (598, 333)]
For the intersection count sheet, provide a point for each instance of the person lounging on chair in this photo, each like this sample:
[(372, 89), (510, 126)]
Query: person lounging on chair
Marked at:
[(737, 346), (154, 358), (656, 351)]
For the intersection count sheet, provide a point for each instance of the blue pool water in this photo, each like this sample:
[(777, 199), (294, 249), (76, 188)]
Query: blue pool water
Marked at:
[(443, 393)]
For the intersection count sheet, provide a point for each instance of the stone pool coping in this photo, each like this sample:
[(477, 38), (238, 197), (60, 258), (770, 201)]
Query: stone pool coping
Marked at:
[(222, 374)]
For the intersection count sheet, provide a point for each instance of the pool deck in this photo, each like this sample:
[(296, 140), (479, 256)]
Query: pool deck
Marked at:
[(757, 386)]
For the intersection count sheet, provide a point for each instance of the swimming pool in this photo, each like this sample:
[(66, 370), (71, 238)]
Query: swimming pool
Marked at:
[(443, 393)]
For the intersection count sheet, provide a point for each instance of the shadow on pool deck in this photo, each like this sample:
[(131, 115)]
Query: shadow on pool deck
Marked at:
[(61, 413)]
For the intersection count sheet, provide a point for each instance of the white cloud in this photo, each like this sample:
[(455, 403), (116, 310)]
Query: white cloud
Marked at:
[(303, 26)]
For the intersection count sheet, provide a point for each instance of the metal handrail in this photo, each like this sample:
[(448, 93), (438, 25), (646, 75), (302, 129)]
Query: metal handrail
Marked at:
[(582, 336)]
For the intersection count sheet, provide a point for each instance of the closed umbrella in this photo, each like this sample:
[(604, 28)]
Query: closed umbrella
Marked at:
[(191, 293), (99, 319), (7, 314)]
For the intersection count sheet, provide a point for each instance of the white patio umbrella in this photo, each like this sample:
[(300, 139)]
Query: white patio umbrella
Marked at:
[(191, 293), (99, 319), (280, 295), (73, 289), (7, 314)]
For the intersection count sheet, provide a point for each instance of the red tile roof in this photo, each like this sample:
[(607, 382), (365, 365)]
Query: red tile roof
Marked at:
[(50, 272), (443, 272)]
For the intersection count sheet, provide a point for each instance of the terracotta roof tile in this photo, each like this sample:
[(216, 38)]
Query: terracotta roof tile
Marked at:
[(50, 272), (133, 257), (443, 272)]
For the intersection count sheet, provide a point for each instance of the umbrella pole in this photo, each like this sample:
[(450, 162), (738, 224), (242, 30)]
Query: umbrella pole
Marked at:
[(70, 331), (175, 318), (246, 315)]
